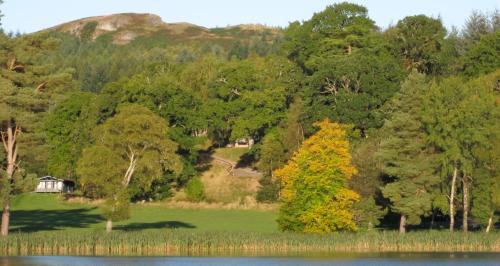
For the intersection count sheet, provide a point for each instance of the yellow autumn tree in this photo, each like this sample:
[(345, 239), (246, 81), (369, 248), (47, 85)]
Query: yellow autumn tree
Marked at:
[(314, 195)]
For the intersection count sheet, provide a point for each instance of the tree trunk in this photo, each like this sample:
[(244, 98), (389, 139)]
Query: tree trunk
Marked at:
[(130, 169), (490, 222), (10, 145), (109, 226), (452, 198), (402, 224), (4, 230), (433, 219), (465, 219)]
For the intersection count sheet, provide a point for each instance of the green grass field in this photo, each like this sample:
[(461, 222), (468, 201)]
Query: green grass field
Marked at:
[(231, 154), (49, 212)]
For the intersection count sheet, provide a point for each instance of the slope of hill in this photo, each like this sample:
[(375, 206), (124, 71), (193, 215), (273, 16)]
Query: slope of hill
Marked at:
[(126, 27)]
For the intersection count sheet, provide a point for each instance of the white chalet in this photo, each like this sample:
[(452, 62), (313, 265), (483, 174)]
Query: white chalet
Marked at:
[(52, 184), (242, 143)]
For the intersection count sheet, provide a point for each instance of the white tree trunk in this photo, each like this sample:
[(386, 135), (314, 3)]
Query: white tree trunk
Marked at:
[(130, 169), (109, 226), (490, 222), (452, 198), (402, 224), (465, 221)]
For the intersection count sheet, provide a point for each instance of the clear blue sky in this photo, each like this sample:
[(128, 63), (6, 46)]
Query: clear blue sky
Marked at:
[(33, 15)]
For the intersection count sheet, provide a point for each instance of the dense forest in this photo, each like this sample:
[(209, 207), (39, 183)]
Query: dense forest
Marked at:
[(355, 126)]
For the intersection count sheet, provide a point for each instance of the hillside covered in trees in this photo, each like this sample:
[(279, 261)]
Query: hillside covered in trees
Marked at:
[(355, 127)]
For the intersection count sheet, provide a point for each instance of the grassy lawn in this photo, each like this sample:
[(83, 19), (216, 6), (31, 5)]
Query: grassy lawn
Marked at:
[(48, 212), (232, 154), (62, 228)]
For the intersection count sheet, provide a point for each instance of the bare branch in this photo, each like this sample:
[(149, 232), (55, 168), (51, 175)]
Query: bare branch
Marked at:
[(4, 141), (235, 91), (331, 86), (40, 87)]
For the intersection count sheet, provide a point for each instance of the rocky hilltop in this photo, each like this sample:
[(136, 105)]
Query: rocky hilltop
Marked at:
[(128, 26)]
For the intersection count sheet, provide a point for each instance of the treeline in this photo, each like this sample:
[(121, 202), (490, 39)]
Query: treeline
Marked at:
[(355, 126), (422, 106)]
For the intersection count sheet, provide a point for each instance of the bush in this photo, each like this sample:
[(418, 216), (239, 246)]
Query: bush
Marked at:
[(195, 190), (269, 190), (160, 189)]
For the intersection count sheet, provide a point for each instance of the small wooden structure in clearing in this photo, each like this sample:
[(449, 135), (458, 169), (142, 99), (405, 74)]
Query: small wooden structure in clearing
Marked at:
[(242, 143), (50, 184)]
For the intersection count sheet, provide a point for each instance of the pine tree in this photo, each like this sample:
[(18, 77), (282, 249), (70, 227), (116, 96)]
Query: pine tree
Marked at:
[(405, 156), (27, 88)]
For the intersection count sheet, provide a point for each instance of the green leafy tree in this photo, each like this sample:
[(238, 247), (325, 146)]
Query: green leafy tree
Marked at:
[(68, 130), (249, 97), (276, 148), (177, 103), (367, 182), (459, 118), (419, 40), (142, 153), (349, 71), (405, 154), (352, 89), (101, 172), (367, 213), (483, 205), (272, 155), (483, 57), (337, 30)]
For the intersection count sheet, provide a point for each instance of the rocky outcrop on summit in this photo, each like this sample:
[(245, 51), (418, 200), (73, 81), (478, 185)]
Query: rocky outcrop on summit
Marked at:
[(126, 27)]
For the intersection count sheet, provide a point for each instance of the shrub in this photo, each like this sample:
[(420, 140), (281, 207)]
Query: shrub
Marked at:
[(268, 191), (195, 190)]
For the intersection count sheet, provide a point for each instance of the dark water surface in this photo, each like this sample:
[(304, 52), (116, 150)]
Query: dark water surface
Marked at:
[(383, 259)]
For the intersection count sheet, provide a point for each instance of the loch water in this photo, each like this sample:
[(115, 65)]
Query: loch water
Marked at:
[(344, 259)]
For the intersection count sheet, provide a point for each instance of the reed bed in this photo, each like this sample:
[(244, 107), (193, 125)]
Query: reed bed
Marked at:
[(174, 242)]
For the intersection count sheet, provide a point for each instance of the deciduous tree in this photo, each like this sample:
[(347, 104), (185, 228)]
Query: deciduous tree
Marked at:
[(460, 118), (419, 40), (135, 144), (314, 194)]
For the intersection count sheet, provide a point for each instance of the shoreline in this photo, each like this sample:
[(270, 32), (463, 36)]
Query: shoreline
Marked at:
[(182, 243)]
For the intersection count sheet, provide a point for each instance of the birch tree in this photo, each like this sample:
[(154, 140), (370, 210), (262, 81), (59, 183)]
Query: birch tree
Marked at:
[(460, 118), (132, 149)]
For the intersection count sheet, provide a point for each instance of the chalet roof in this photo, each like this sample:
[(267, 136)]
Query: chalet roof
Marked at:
[(52, 178), (48, 177)]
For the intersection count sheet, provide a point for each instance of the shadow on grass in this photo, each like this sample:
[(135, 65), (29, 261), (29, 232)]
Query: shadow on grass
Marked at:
[(157, 225), (48, 220)]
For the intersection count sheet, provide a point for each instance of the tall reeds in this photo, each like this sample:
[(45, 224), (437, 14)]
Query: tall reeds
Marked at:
[(178, 242)]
